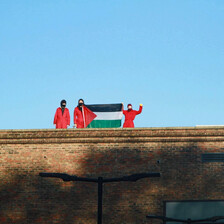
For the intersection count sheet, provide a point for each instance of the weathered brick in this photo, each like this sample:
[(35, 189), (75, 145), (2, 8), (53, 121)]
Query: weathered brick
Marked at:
[(174, 152)]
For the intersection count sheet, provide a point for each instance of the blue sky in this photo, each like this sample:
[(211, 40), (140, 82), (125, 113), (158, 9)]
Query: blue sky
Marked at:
[(167, 55)]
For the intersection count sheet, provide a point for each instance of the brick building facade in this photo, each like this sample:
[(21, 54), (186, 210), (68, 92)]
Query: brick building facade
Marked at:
[(179, 154)]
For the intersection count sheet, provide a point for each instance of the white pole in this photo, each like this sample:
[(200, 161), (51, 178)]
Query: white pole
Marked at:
[(83, 117)]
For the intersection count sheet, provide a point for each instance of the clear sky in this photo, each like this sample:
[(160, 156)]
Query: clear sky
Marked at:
[(166, 54)]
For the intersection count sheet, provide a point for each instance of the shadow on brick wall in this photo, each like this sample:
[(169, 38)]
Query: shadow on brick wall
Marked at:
[(28, 198), (31, 199)]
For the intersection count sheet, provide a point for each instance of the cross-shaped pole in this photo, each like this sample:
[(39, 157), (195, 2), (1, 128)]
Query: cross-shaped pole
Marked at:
[(100, 181)]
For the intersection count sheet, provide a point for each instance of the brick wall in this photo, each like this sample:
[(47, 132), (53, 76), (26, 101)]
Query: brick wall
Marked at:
[(174, 152)]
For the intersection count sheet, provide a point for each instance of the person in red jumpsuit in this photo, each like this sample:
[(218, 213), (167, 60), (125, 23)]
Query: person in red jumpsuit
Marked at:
[(62, 116), (78, 115), (130, 116)]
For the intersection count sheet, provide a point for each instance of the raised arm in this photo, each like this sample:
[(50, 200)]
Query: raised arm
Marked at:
[(140, 109)]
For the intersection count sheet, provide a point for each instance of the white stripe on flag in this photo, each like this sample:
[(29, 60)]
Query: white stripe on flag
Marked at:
[(109, 115)]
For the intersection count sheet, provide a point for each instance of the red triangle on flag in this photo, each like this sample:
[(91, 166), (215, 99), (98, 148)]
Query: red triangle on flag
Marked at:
[(88, 115)]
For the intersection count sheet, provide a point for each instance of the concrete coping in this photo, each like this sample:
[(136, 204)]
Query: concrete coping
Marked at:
[(119, 129)]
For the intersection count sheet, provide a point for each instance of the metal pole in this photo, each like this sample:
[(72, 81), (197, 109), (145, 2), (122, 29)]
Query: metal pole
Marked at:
[(100, 200), (100, 181), (213, 219)]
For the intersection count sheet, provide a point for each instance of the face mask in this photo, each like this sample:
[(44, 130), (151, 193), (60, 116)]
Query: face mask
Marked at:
[(63, 106), (80, 104)]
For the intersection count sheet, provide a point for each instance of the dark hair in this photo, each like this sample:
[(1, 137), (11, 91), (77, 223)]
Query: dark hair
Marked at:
[(82, 101), (80, 108), (63, 101)]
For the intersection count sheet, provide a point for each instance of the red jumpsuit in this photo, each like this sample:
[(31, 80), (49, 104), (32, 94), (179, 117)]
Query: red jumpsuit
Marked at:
[(130, 116), (78, 118), (62, 120)]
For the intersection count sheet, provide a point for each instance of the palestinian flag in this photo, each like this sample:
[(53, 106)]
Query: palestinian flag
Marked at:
[(107, 115), (88, 115)]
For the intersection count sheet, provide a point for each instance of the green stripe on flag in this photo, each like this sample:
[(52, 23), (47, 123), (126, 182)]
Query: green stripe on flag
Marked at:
[(105, 124)]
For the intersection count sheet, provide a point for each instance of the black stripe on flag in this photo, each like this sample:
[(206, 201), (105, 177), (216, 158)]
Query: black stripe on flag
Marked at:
[(105, 107)]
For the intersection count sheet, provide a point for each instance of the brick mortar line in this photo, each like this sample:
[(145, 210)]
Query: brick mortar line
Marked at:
[(100, 135), (111, 140)]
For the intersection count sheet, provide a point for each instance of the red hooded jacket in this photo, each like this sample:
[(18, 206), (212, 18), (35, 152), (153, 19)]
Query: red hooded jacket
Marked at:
[(130, 116), (78, 118), (62, 120)]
